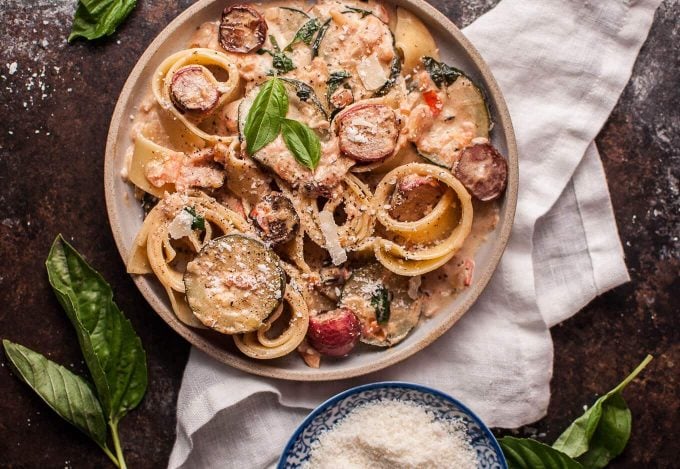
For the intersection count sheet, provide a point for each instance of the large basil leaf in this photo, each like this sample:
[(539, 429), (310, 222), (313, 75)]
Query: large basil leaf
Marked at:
[(110, 346), (263, 123), (302, 142), (68, 394), (602, 432), (97, 18), (525, 453)]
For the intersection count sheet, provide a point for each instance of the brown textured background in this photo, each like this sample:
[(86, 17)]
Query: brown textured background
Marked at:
[(54, 117)]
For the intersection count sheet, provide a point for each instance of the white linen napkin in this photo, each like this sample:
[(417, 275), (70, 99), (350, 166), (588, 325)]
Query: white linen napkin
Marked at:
[(562, 65)]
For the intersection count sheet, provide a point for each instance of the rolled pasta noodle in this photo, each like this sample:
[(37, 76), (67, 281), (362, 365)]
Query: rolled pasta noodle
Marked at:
[(229, 89), (436, 252), (258, 345)]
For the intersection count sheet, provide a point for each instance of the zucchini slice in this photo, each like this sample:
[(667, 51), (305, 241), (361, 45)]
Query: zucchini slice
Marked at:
[(370, 76), (234, 284), (381, 301), (284, 23), (462, 115)]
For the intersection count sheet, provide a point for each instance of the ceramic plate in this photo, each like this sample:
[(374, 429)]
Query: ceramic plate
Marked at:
[(125, 214), (444, 407)]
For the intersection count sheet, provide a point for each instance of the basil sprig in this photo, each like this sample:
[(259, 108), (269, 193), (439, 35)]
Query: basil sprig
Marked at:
[(267, 118), (111, 348), (97, 18), (590, 442)]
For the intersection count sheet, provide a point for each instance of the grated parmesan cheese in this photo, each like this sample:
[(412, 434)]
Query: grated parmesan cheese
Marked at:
[(390, 434), (330, 234)]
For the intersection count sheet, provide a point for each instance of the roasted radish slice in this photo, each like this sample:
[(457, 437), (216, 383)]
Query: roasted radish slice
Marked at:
[(275, 218), (242, 29), (367, 132), (334, 333), (483, 171), (234, 284), (194, 89), (381, 301)]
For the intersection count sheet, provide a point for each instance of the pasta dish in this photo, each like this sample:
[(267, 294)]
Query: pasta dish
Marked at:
[(313, 177)]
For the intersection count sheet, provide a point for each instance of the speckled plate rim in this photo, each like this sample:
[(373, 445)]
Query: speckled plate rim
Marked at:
[(428, 14), (387, 385)]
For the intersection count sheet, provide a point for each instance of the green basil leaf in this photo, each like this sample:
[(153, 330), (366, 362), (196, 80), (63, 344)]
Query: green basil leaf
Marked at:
[(305, 33), (68, 394), (612, 434), (263, 123), (525, 453), (97, 18), (381, 302), (575, 440), (302, 142), (110, 346), (602, 432)]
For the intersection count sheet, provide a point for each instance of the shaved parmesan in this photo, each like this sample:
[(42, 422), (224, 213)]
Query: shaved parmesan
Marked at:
[(330, 233), (371, 72), (180, 226)]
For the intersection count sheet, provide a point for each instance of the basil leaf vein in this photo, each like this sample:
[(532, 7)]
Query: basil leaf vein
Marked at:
[(263, 123), (96, 18), (302, 141), (112, 350), (68, 394)]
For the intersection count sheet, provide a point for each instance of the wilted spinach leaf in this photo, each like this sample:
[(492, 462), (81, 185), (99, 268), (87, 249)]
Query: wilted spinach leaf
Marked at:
[(441, 74)]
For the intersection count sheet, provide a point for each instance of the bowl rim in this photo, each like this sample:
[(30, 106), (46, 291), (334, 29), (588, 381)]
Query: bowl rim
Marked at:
[(426, 13), (328, 403)]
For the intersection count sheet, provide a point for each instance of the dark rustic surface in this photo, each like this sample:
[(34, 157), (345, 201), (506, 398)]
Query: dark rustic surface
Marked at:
[(54, 114)]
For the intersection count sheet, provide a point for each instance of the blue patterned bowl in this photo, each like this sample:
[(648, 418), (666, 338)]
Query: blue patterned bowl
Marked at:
[(444, 407)]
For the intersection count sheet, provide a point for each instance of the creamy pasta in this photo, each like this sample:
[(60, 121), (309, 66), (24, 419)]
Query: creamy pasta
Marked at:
[(317, 177)]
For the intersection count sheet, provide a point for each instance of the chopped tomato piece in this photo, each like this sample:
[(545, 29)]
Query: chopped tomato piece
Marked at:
[(432, 100)]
